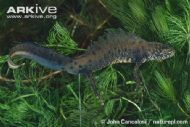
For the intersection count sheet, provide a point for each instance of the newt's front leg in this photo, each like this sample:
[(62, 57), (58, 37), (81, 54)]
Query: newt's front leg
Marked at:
[(137, 79), (135, 73)]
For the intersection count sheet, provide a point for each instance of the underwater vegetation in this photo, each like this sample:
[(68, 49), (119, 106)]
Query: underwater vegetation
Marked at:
[(33, 95)]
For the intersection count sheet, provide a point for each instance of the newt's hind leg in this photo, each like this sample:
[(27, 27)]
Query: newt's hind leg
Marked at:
[(94, 88), (135, 73)]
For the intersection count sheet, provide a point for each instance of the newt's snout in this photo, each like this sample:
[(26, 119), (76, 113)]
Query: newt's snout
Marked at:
[(167, 52)]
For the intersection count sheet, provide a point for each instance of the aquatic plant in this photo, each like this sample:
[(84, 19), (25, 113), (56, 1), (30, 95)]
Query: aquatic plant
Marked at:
[(35, 96)]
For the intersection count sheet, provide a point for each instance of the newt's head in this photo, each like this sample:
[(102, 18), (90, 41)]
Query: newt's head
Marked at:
[(167, 52), (160, 51)]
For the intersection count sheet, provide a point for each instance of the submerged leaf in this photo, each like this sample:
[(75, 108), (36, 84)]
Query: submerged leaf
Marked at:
[(138, 9), (60, 39), (3, 59), (160, 21), (187, 100), (179, 29), (109, 107), (132, 14), (108, 78), (130, 82), (166, 88)]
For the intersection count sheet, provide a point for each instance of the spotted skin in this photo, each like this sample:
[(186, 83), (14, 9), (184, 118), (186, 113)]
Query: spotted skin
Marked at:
[(119, 47), (111, 48), (132, 50)]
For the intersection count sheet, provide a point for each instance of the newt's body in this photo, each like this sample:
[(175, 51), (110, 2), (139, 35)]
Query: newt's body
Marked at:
[(119, 47), (113, 47)]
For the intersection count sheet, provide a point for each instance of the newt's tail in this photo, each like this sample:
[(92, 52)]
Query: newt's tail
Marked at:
[(41, 55)]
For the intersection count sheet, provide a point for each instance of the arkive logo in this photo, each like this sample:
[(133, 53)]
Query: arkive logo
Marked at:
[(32, 9)]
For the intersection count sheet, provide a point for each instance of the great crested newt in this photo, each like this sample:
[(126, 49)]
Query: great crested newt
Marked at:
[(111, 48)]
